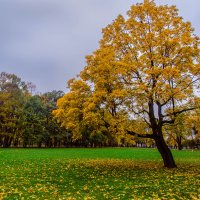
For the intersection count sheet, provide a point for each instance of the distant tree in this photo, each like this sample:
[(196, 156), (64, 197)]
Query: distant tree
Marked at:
[(55, 135), (193, 120), (34, 115), (13, 93), (146, 69)]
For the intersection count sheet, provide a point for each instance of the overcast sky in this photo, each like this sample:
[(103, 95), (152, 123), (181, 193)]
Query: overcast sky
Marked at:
[(46, 41)]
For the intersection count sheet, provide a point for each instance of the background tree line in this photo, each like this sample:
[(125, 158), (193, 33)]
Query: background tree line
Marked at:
[(26, 120)]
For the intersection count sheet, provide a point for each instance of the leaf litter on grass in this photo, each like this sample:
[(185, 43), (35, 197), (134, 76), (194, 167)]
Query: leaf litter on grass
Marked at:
[(97, 179)]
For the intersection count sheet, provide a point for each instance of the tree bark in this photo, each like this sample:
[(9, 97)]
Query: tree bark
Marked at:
[(156, 127), (165, 152), (161, 146)]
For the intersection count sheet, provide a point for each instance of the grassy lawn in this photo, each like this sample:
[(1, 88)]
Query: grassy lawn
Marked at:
[(107, 173)]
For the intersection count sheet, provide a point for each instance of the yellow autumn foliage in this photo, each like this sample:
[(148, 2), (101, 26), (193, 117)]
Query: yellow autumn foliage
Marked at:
[(151, 57)]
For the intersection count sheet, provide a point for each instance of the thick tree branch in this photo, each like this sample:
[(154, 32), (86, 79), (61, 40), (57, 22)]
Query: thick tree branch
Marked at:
[(168, 121), (174, 113), (139, 112), (147, 122), (140, 135)]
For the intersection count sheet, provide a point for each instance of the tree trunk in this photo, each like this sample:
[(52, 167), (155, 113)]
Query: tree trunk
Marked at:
[(162, 147), (24, 144), (7, 142), (39, 144), (165, 152), (16, 142), (179, 142)]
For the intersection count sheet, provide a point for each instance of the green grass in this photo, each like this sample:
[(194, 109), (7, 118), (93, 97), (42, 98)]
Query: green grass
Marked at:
[(107, 173)]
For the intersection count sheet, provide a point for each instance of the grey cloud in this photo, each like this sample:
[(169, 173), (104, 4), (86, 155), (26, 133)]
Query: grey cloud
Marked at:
[(45, 41)]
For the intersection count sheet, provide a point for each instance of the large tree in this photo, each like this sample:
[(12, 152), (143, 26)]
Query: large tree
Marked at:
[(145, 74)]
